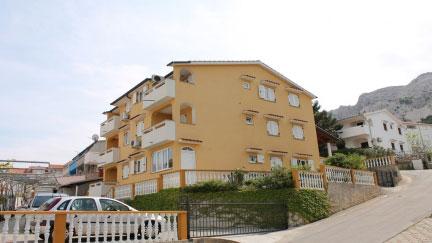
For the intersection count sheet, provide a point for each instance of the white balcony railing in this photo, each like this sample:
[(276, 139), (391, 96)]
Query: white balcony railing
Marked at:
[(160, 93), (109, 125), (354, 131), (158, 134), (109, 156)]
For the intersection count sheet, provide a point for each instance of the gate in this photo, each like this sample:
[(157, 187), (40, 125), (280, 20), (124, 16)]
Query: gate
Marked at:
[(385, 178), (215, 219)]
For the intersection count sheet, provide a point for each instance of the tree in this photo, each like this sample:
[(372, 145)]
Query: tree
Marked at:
[(325, 119), (427, 119)]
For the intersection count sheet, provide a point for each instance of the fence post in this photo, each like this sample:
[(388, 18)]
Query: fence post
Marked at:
[(182, 178), (375, 178), (352, 176), (159, 183), (182, 230), (59, 227), (323, 172), (296, 178)]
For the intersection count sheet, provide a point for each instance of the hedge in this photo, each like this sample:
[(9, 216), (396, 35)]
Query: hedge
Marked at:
[(312, 205)]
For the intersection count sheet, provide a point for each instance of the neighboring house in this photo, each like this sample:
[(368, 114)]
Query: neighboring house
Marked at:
[(378, 128), (326, 142), (215, 115), (82, 171), (422, 133)]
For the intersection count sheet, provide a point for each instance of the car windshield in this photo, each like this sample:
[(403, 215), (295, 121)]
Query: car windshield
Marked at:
[(39, 200)]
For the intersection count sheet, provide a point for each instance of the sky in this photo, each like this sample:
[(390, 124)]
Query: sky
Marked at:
[(63, 62)]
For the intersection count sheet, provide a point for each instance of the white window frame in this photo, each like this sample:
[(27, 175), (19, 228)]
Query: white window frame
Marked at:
[(140, 165), (256, 158), (162, 160), (272, 158), (272, 127), (293, 100), (125, 171), (297, 135), (267, 93)]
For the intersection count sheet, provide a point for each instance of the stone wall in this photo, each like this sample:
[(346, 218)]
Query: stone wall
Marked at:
[(345, 195)]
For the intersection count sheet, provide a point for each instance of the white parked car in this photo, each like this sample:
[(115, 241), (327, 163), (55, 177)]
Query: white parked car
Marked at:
[(100, 204)]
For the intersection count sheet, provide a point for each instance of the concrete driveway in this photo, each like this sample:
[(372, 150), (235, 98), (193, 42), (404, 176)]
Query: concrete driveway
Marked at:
[(377, 220)]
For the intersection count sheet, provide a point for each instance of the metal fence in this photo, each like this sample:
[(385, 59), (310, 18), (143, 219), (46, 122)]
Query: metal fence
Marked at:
[(215, 219)]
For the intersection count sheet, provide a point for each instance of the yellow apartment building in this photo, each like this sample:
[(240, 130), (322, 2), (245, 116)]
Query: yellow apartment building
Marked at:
[(202, 120)]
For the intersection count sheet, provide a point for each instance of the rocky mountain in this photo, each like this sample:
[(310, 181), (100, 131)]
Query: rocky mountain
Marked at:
[(410, 102)]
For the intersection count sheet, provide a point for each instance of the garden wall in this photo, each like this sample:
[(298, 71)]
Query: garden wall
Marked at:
[(346, 195)]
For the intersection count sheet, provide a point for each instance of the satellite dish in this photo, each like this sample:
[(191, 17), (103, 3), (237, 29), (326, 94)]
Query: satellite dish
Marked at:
[(95, 137), (184, 75), (157, 78)]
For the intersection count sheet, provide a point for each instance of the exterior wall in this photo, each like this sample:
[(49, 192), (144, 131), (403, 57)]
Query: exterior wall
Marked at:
[(344, 195), (423, 132), (372, 131), (217, 100)]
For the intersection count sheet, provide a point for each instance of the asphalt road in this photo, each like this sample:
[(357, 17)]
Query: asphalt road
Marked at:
[(377, 220)]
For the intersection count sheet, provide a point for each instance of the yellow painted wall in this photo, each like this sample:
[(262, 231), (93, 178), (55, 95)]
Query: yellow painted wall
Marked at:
[(218, 98)]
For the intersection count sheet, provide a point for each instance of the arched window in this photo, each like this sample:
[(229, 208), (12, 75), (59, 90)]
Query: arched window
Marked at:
[(186, 76), (187, 114)]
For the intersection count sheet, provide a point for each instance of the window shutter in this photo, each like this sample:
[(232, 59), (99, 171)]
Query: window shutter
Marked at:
[(139, 128), (294, 162), (143, 164), (269, 127), (260, 158), (271, 94), (298, 132), (262, 90), (131, 167), (275, 128)]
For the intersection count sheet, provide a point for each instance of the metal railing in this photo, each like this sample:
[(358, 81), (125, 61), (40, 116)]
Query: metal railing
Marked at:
[(337, 174), (106, 226)]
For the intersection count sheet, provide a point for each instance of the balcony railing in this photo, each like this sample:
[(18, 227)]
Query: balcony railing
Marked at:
[(159, 94), (79, 226), (159, 134), (109, 156), (354, 131), (109, 125)]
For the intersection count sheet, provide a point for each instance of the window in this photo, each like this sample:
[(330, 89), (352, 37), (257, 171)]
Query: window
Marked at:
[(125, 171), (126, 138), (298, 132), (364, 145), (400, 130), (162, 160), (64, 205), (273, 128), (139, 128), (128, 107), (246, 85), (391, 126), (275, 161), (183, 118), (84, 204), (249, 120), (302, 163), (140, 165), (110, 205), (385, 126), (266, 93), (401, 147), (256, 158), (393, 146), (293, 100)]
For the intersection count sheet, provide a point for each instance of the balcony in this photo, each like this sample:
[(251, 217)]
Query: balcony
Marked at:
[(354, 132), (109, 125), (159, 134), (91, 158), (109, 156), (159, 94)]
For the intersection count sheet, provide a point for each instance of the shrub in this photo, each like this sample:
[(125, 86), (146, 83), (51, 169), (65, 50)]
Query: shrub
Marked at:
[(237, 177), (210, 186), (279, 178), (167, 199), (350, 161)]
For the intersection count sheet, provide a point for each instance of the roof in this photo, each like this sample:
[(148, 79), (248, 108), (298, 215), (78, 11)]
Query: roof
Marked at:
[(373, 112), (325, 136), (243, 62), (80, 154), (56, 166)]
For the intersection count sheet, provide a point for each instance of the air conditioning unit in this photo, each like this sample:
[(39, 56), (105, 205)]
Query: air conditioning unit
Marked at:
[(136, 144), (124, 116), (379, 140)]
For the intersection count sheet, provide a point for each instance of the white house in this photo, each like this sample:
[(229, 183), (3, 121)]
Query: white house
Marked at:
[(422, 133), (377, 128)]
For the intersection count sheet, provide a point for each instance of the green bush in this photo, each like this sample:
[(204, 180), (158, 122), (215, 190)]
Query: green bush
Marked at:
[(210, 186), (310, 204), (350, 161), (279, 178)]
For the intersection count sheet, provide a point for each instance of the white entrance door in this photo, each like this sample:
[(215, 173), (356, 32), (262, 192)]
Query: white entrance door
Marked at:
[(188, 162)]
